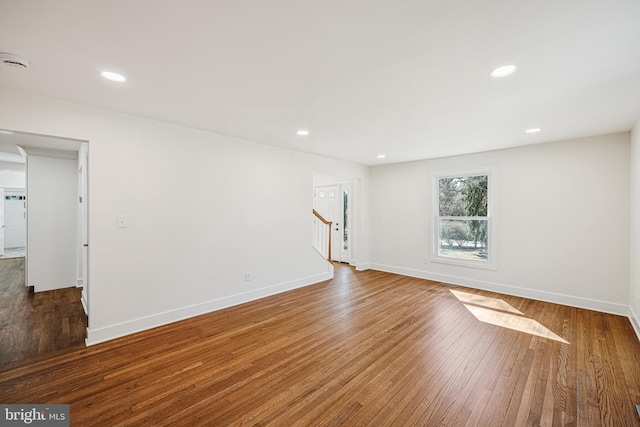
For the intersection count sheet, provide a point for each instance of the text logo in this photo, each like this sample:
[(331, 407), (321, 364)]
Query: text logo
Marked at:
[(34, 415)]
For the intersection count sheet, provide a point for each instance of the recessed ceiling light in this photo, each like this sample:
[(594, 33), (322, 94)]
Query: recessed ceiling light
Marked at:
[(503, 71), (114, 77), (533, 130), (6, 131), (303, 132), (382, 156)]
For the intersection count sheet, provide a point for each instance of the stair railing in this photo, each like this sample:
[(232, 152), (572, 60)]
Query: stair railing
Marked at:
[(322, 235)]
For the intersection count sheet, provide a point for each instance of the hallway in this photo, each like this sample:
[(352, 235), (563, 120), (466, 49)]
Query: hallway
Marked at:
[(36, 324)]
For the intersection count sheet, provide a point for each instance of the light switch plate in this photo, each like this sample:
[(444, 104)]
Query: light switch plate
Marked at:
[(122, 221)]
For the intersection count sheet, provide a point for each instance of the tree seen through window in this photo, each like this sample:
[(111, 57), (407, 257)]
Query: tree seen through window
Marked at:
[(463, 222)]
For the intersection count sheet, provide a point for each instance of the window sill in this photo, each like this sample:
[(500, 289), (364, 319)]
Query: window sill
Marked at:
[(483, 265)]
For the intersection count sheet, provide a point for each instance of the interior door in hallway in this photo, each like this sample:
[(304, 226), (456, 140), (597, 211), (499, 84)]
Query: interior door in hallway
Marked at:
[(331, 201), (15, 230), (1, 221)]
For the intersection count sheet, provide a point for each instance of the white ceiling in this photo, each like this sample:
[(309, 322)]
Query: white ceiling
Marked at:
[(407, 78)]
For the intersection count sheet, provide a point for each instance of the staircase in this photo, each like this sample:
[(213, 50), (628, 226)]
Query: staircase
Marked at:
[(322, 235)]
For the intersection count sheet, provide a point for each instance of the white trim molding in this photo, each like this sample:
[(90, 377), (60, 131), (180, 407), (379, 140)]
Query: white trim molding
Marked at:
[(634, 319), (98, 335), (83, 299), (362, 266), (556, 298)]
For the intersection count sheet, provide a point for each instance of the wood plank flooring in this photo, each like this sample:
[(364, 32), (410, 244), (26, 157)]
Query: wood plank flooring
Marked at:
[(368, 348), (33, 324)]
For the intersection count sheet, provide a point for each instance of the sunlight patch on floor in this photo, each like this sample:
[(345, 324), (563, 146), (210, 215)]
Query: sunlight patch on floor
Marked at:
[(488, 302), (500, 313)]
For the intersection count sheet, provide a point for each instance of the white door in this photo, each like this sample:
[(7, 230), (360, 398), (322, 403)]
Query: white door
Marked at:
[(331, 201), (15, 219), (1, 222)]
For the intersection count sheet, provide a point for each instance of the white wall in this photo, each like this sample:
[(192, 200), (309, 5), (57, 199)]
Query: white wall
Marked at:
[(562, 216), (634, 289), (51, 223), (12, 179), (202, 209)]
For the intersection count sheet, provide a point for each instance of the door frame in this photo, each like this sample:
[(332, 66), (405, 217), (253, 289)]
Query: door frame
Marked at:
[(342, 185), (83, 223), (2, 220)]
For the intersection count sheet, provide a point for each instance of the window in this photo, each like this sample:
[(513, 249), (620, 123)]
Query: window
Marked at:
[(345, 221), (463, 226)]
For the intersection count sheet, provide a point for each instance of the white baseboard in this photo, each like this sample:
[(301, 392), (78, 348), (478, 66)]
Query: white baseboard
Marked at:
[(331, 272), (573, 301), (633, 317), (98, 335), (83, 299), (363, 266)]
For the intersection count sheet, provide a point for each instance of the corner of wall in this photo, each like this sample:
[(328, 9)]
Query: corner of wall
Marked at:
[(634, 228)]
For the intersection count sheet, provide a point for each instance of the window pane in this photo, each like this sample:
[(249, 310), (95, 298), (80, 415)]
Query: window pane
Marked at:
[(463, 239), (345, 211), (450, 197), (463, 196)]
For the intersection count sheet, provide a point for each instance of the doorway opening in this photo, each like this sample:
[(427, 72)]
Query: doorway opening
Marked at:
[(12, 201), (334, 199), (15, 222), (50, 206)]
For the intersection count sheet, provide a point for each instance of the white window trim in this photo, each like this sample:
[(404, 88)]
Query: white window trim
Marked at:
[(491, 262)]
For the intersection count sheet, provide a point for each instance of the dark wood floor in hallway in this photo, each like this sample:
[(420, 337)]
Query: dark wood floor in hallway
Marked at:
[(367, 348), (36, 324)]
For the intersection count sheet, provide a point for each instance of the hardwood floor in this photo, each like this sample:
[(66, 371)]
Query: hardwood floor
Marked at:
[(368, 348), (33, 324)]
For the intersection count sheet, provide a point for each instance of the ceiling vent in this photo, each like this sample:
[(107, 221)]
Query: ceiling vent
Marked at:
[(13, 60)]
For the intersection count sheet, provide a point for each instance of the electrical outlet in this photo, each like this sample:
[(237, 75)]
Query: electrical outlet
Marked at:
[(426, 260), (247, 276)]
